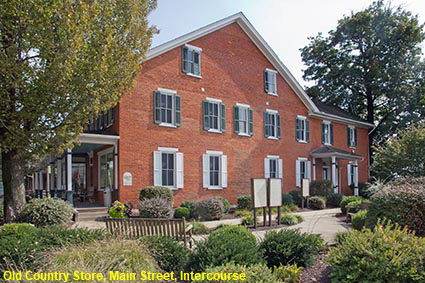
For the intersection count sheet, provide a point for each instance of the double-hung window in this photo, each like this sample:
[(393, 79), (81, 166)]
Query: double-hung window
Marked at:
[(168, 168), (167, 108), (271, 124), (214, 115), (303, 170), (243, 119), (327, 133), (351, 136), (273, 167), (270, 85), (302, 129), (191, 60), (214, 170)]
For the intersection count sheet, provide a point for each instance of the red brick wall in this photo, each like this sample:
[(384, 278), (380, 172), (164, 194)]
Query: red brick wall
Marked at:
[(232, 70)]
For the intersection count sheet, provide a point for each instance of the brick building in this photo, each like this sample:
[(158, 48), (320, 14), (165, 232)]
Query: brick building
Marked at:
[(209, 111)]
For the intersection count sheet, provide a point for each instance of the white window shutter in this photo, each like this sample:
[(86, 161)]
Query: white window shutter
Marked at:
[(266, 168), (224, 171), (348, 174), (298, 173), (157, 168), (179, 171), (308, 169), (206, 171), (280, 168), (356, 174)]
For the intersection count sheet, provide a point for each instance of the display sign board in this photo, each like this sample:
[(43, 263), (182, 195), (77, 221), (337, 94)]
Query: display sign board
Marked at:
[(306, 187), (259, 193), (275, 192), (127, 179)]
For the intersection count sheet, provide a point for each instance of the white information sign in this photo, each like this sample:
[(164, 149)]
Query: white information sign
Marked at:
[(306, 187), (127, 179), (275, 192), (259, 192)]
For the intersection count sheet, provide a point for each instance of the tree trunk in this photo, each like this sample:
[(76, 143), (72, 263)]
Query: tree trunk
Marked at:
[(13, 181)]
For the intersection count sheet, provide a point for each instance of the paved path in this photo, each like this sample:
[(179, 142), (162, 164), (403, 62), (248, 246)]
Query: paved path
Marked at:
[(321, 222)]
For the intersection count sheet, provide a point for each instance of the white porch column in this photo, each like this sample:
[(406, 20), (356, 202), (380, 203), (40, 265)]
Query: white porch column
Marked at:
[(52, 176), (48, 173), (40, 184), (334, 179), (69, 192), (33, 182), (314, 168), (116, 168), (356, 178), (59, 174), (36, 186)]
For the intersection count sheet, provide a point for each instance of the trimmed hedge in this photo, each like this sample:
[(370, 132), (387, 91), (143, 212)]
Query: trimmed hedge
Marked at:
[(244, 202), (155, 208), (297, 197), (226, 203), (346, 200), (46, 211), (181, 212), (359, 219), (156, 192), (334, 200), (321, 188), (287, 199), (209, 209), (317, 203)]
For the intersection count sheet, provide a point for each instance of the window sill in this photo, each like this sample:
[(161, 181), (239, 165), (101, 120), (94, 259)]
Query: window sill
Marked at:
[(272, 93), (215, 188), (215, 131), (193, 75), (353, 147), (302, 141), (171, 188), (167, 125), (273, 138), (329, 144), (244, 135)]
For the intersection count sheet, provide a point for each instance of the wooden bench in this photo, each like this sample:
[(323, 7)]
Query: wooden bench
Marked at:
[(350, 214), (133, 228)]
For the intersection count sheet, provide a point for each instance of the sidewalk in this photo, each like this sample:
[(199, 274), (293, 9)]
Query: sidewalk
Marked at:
[(321, 222)]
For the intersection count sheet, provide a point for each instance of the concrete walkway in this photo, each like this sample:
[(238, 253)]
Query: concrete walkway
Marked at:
[(321, 222)]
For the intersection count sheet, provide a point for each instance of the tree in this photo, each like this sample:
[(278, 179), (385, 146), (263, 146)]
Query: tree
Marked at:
[(370, 65), (61, 62), (403, 155)]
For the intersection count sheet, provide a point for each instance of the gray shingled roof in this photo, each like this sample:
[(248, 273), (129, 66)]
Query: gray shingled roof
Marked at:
[(333, 110), (331, 149)]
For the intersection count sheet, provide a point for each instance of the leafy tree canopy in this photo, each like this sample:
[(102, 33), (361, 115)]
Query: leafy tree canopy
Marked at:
[(371, 66)]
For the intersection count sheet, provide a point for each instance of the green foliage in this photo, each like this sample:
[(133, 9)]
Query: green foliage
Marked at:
[(190, 204), (346, 200), (226, 203), (170, 254), (290, 273), (248, 220), (359, 219), (290, 246), (321, 188), (1, 210), (155, 208), (372, 55), (290, 219), (317, 203), (181, 212), (254, 274), (199, 228), (47, 211), (403, 155), (386, 254), (363, 189), (334, 200), (356, 203), (244, 202), (156, 192), (287, 199), (340, 237), (209, 209), (117, 210), (234, 244), (402, 204), (242, 212), (297, 197)]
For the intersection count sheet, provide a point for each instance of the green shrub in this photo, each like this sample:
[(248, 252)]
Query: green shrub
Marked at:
[(156, 192), (290, 273), (317, 203), (402, 204), (287, 199), (340, 237), (321, 188), (294, 207), (288, 219), (359, 219), (117, 210), (46, 211), (226, 203), (386, 254), (242, 212), (229, 244), (170, 254), (290, 246), (1, 210), (254, 274), (181, 212), (244, 202), (209, 209), (297, 197), (356, 203), (346, 200), (299, 218), (190, 204), (334, 200), (155, 208), (198, 228), (363, 189), (248, 220)]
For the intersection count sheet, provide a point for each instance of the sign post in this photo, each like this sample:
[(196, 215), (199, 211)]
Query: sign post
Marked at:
[(305, 190), (259, 197)]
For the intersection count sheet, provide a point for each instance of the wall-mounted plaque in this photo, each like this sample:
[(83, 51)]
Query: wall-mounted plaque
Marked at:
[(259, 193), (127, 179), (275, 192)]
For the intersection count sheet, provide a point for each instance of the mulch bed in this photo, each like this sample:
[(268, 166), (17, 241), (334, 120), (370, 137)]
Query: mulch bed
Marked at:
[(318, 272)]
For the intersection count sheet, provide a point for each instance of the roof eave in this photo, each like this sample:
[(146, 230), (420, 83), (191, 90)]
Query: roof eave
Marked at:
[(323, 115)]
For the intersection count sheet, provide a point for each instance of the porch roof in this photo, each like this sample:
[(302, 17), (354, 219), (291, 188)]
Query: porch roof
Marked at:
[(327, 151)]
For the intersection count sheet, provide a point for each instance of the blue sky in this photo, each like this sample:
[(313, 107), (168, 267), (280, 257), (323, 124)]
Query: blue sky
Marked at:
[(284, 24)]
